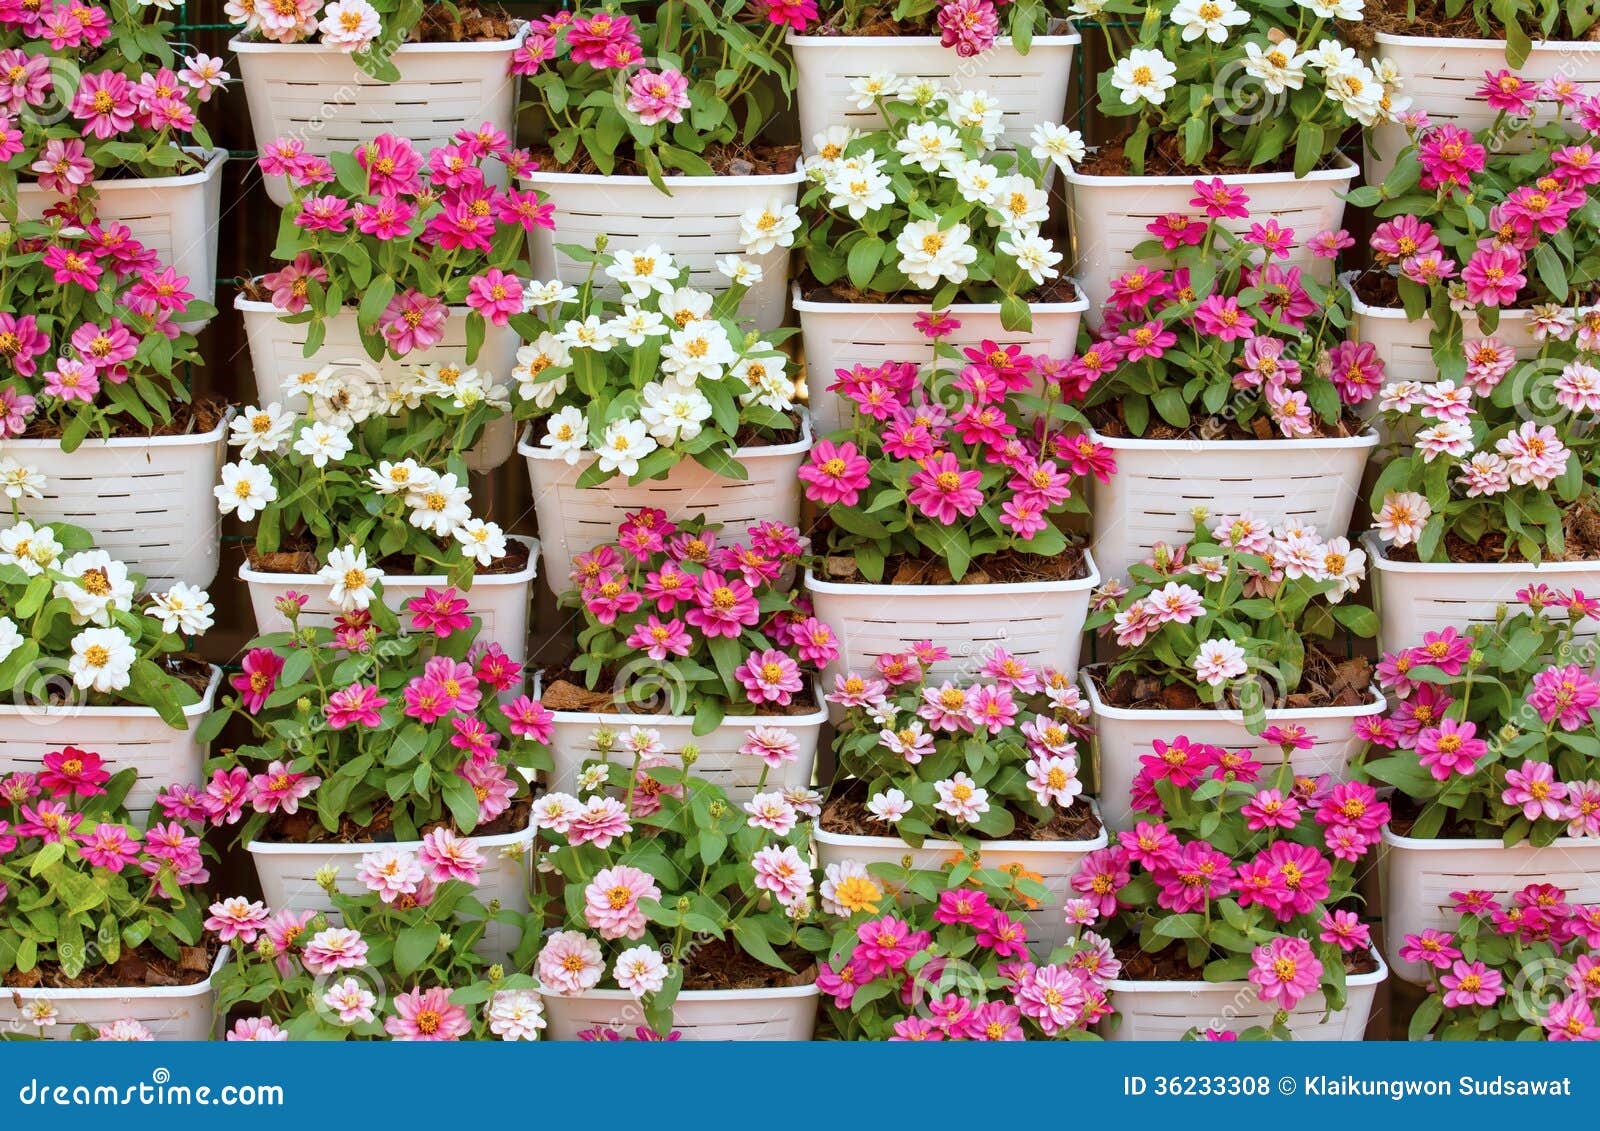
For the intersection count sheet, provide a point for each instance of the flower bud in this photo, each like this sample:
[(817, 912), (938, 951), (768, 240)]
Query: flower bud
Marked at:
[(604, 740), (683, 903), (717, 810), (690, 755), (266, 948), (327, 878), (497, 973), (445, 942)]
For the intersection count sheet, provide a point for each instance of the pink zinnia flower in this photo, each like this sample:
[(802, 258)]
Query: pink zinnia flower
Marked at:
[(439, 611), (413, 321), (944, 492), (769, 676), (658, 96), (280, 788), (427, 1015), (835, 474), (1565, 696), (237, 918), (1285, 971), (358, 704), (1533, 787), (1450, 748), (495, 295), (333, 949)]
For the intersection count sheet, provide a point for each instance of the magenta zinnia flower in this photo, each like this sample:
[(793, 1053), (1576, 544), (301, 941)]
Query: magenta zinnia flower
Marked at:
[(1285, 971), (413, 321), (427, 1015), (835, 474), (357, 704), (943, 492)]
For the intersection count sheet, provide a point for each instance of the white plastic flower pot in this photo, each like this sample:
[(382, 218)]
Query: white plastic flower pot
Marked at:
[(175, 217), (696, 222), (1030, 88), (1442, 76), (572, 745), (1040, 622), (786, 1013), (171, 1013), (1165, 1011), (146, 500), (278, 356), (1123, 736), (1054, 862), (1415, 598), (123, 736), (1405, 348), (1418, 877), (1159, 483), (839, 335), (288, 876), (317, 94), (502, 600), (574, 520), (1111, 217)]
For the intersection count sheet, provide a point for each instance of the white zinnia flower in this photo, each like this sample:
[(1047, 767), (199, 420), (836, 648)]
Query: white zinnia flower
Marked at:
[(624, 444), (245, 488), (18, 481), (768, 226), (440, 506), (321, 443), (1209, 19), (405, 476), (566, 434), (352, 582), (929, 145), (1144, 76), (672, 414), (258, 431), (1057, 143), (928, 254), (640, 971), (184, 608), (744, 272), (516, 1015), (699, 352), (32, 549), (95, 585), (482, 541), (880, 84), (10, 638), (1034, 254), (635, 324), (644, 272), (102, 659), (1022, 204), (547, 351), (1278, 65)]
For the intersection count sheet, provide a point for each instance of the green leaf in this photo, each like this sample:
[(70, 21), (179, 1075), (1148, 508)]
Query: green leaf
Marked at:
[(413, 946)]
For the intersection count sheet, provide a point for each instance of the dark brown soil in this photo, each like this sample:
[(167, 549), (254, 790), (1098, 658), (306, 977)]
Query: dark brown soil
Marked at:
[(1108, 421), (1429, 18), (486, 24), (299, 559), (1060, 289), (191, 419), (1005, 568), (725, 160), (1581, 527), (1328, 681), (140, 968), (564, 690), (302, 827), (846, 812), (722, 964), (1164, 158), (1172, 963), (1404, 812)]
